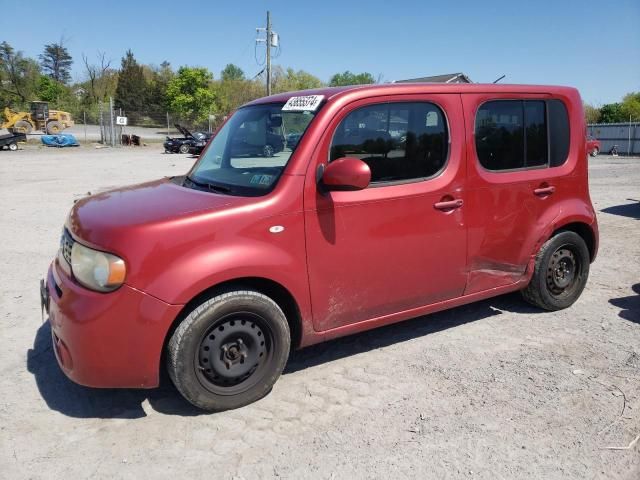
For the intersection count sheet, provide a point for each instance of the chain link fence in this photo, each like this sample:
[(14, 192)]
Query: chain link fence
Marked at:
[(116, 127)]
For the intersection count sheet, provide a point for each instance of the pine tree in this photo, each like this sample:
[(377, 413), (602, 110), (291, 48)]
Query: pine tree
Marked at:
[(56, 62), (131, 92)]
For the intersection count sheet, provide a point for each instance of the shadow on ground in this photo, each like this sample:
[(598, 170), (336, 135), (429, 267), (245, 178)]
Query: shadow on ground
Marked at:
[(73, 400), (625, 210), (630, 305)]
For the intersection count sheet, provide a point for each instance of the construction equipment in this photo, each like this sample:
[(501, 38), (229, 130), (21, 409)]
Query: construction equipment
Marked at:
[(39, 118)]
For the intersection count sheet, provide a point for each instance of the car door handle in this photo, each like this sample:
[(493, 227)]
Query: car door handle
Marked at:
[(542, 191), (449, 204)]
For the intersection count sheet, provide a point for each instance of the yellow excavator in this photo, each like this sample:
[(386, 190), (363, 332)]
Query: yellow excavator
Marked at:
[(39, 118)]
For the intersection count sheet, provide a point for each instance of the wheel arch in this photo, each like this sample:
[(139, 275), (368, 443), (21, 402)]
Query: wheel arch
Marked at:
[(586, 233), (272, 289)]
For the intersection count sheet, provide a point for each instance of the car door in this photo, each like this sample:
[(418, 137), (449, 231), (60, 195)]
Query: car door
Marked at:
[(400, 243), (517, 148)]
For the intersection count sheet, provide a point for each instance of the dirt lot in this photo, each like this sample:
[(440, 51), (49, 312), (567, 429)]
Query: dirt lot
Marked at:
[(491, 390)]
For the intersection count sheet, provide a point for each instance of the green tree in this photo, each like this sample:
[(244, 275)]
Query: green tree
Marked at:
[(591, 113), (18, 76), (289, 80), (158, 84), (190, 94), (49, 90), (631, 107), (232, 72), (56, 62), (233, 93), (131, 91), (611, 113), (348, 78)]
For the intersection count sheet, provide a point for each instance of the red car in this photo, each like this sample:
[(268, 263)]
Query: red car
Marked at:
[(593, 146), (399, 200)]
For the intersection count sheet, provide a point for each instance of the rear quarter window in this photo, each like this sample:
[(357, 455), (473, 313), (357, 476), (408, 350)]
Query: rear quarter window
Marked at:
[(521, 134)]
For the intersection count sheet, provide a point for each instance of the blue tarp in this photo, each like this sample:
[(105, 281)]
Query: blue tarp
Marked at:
[(62, 140)]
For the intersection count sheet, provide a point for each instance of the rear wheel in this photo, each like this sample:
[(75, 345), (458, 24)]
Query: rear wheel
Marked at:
[(268, 151), (22, 126), (229, 351), (13, 147), (595, 152), (560, 273), (54, 128)]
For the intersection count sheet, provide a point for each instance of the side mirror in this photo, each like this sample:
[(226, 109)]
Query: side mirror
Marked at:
[(346, 173)]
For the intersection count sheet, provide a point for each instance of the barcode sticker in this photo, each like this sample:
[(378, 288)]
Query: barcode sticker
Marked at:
[(307, 103)]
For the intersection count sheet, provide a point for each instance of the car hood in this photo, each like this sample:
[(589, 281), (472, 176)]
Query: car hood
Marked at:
[(126, 211)]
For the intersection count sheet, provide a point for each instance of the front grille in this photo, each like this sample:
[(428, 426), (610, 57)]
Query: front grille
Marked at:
[(66, 242)]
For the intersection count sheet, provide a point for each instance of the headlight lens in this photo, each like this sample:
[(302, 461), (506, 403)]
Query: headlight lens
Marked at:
[(96, 270)]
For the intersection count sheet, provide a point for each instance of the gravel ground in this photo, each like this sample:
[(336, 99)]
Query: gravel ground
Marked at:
[(494, 390)]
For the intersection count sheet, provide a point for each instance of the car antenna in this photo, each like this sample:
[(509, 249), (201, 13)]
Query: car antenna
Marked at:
[(498, 79)]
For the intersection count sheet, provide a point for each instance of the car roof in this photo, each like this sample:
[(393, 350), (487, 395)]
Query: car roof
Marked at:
[(331, 93)]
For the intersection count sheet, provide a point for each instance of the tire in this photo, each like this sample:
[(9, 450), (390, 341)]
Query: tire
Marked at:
[(268, 151), (595, 152), (184, 148), (54, 128), (229, 351), (13, 147), (22, 126), (560, 273)]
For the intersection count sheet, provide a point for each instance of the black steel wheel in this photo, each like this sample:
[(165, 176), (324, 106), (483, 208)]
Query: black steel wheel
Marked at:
[(233, 354), (229, 351), (560, 273)]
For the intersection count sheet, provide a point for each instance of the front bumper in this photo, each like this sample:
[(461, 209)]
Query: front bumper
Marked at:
[(111, 340)]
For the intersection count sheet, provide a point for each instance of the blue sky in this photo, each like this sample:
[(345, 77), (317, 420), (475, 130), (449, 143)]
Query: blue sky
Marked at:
[(594, 46)]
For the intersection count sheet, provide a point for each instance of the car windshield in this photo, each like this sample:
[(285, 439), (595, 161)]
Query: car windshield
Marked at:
[(248, 154)]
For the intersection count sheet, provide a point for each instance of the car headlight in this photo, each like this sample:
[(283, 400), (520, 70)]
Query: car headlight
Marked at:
[(97, 270)]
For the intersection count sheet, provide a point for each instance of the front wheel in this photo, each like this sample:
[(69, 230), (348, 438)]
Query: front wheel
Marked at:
[(229, 351), (184, 148), (13, 147), (595, 152), (54, 128), (560, 273)]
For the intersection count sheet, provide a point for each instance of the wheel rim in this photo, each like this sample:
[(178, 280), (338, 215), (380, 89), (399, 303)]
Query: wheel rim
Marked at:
[(563, 272), (233, 354), (184, 149), (268, 151)]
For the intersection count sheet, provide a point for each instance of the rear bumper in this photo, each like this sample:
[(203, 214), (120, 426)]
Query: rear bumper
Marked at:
[(111, 340)]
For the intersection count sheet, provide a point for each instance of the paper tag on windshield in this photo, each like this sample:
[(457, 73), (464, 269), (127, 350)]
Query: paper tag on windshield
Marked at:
[(307, 103)]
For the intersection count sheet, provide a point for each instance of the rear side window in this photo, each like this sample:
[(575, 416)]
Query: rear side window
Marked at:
[(517, 134), (398, 141)]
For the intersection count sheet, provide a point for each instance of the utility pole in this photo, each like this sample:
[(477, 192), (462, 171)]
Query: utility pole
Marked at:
[(271, 40), (268, 53)]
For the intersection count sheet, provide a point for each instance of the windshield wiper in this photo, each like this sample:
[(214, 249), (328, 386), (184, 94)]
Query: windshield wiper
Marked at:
[(209, 186)]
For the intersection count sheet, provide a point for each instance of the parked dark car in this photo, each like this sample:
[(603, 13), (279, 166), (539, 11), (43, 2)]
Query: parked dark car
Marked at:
[(184, 144), (197, 147), (268, 147), (293, 139)]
